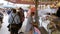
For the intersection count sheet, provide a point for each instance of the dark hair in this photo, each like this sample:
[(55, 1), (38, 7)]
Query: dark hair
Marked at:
[(59, 8), (33, 13), (14, 10), (20, 8), (18, 13)]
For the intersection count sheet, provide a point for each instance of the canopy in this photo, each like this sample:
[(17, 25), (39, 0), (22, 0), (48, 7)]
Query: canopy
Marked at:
[(27, 2), (22, 1)]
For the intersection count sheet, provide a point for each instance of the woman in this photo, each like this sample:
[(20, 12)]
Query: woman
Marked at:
[(30, 17)]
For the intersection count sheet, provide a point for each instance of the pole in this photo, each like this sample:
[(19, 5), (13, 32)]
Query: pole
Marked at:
[(36, 12)]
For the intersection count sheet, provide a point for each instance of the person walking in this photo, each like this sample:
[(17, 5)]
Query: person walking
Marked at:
[(30, 16), (21, 15), (14, 22)]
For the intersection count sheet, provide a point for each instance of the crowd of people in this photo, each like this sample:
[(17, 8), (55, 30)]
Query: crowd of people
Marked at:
[(15, 20), (16, 17)]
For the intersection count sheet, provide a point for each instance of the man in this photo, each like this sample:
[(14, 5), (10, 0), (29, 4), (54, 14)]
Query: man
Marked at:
[(14, 21)]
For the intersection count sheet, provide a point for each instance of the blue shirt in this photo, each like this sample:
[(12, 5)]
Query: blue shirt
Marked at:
[(16, 18)]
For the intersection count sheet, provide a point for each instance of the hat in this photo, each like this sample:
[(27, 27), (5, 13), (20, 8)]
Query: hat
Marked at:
[(33, 9)]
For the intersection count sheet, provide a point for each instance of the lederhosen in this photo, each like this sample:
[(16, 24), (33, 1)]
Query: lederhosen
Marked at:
[(14, 27)]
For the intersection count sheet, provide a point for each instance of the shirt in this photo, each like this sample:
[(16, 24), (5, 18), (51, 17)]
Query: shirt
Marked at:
[(16, 18)]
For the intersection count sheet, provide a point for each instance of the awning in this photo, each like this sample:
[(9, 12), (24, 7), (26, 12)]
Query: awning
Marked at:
[(27, 2), (22, 1)]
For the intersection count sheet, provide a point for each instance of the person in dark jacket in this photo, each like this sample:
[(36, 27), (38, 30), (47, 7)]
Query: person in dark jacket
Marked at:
[(21, 14), (58, 12)]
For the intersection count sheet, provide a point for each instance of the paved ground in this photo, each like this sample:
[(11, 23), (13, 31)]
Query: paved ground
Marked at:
[(4, 29)]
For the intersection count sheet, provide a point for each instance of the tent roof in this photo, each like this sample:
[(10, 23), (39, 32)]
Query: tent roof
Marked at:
[(27, 2)]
